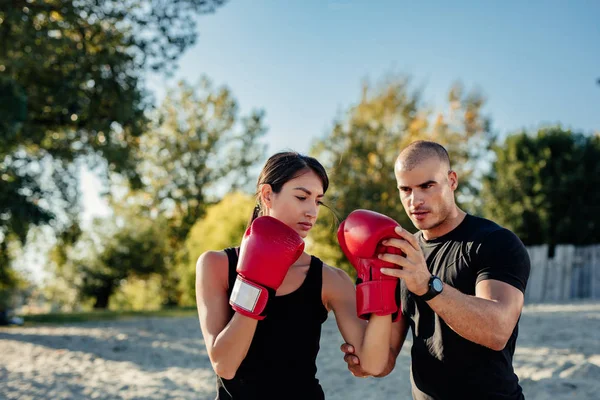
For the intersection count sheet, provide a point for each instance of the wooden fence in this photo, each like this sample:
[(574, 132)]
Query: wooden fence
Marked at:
[(573, 273)]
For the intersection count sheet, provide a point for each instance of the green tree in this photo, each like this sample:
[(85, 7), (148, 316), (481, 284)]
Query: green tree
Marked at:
[(360, 151), (111, 251), (70, 70), (222, 226), (71, 88), (544, 186), (198, 142), (198, 146)]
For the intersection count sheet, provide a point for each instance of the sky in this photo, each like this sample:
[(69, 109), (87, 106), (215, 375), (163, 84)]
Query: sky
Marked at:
[(303, 62)]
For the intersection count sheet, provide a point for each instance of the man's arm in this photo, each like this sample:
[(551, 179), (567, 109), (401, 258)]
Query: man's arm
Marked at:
[(488, 318), (399, 332)]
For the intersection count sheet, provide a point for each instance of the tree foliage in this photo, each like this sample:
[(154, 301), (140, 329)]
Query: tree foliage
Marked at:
[(544, 187), (360, 151), (196, 145), (198, 142), (111, 251), (71, 88), (222, 226)]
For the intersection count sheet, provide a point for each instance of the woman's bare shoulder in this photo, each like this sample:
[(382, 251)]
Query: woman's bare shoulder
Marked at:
[(335, 276), (213, 265)]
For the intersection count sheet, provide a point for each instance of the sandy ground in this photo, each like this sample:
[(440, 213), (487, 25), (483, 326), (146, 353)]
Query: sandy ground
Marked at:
[(557, 357)]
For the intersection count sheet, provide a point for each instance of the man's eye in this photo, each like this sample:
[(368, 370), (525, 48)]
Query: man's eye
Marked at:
[(301, 198)]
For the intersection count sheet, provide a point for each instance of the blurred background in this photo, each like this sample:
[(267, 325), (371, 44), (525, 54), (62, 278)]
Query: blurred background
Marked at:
[(132, 132)]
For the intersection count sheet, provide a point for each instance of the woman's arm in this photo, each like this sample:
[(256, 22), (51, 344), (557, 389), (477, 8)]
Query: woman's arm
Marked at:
[(371, 340), (227, 338), (399, 332)]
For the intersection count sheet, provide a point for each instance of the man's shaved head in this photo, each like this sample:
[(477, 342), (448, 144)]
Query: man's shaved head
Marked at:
[(419, 151), (426, 186)]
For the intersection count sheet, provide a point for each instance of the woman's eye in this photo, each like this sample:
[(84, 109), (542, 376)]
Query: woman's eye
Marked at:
[(301, 198)]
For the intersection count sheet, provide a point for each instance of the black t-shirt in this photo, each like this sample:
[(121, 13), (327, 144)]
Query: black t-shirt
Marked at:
[(445, 365)]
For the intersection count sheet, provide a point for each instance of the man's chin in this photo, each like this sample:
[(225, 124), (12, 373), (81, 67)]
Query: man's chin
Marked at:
[(422, 225), (418, 224)]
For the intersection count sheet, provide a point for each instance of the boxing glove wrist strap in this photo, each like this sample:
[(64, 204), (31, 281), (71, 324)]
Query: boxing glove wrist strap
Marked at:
[(250, 299), (378, 297)]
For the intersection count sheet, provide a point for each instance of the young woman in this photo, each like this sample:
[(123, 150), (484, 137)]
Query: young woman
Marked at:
[(255, 300)]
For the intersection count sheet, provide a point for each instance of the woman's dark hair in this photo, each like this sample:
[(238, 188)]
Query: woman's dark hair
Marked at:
[(283, 167)]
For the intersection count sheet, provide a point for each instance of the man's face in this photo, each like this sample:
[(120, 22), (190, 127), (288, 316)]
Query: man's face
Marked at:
[(427, 192)]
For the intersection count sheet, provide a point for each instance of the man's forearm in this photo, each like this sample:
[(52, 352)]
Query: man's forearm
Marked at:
[(481, 321)]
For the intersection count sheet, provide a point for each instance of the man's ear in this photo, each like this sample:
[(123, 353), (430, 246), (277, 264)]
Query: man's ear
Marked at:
[(453, 180), (266, 194)]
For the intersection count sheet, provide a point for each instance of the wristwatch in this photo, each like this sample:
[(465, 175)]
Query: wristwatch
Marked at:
[(435, 287)]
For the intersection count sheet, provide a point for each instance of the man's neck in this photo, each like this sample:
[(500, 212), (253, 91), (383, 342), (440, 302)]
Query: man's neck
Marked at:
[(454, 219)]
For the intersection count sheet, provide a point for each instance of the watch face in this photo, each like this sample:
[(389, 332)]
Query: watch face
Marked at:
[(437, 285)]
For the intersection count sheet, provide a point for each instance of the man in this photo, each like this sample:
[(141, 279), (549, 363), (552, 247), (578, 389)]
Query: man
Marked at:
[(462, 288)]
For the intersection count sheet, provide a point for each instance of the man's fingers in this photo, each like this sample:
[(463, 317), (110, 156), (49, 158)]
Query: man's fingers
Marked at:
[(397, 273), (395, 259), (398, 243), (409, 237), (347, 348), (358, 372), (351, 360), (354, 366)]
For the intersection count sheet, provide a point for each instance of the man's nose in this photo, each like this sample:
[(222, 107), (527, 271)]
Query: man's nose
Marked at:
[(416, 198)]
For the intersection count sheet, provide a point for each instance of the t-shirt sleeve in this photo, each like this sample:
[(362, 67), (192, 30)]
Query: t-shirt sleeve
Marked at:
[(503, 257)]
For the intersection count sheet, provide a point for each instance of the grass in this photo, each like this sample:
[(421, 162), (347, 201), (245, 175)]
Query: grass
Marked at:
[(105, 315)]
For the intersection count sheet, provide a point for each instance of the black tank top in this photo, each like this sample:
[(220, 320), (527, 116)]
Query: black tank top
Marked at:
[(281, 360)]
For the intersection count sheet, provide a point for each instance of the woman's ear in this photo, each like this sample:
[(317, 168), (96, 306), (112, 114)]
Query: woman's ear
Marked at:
[(266, 195)]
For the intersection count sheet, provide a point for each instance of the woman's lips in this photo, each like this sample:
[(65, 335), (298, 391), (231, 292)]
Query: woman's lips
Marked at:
[(305, 226)]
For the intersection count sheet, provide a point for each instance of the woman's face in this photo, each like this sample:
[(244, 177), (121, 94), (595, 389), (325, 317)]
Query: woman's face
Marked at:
[(297, 204)]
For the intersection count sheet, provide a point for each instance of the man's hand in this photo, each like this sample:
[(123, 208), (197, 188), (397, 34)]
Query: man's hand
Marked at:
[(413, 268), (353, 361)]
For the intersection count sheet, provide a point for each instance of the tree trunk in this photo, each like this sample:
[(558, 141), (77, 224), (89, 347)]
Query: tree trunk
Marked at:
[(103, 296)]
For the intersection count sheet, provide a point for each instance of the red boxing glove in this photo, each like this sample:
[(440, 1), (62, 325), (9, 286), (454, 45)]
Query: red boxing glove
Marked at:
[(268, 249), (360, 237)]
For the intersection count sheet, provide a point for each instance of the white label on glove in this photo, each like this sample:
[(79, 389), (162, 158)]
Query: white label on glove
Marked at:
[(245, 295)]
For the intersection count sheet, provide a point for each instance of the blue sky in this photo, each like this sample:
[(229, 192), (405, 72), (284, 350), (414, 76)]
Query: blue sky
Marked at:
[(303, 61)]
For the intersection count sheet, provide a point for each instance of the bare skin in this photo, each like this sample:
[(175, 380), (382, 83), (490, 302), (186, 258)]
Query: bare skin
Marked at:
[(489, 317), (228, 338)]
